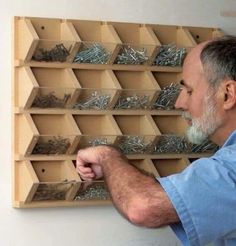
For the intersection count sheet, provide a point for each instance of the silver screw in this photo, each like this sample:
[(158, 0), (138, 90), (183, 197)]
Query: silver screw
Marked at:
[(134, 145), (94, 53), (132, 102), (129, 55), (172, 144), (94, 192), (167, 97), (95, 101), (169, 55)]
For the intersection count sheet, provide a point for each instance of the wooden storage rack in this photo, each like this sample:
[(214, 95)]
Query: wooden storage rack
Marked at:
[(53, 174)]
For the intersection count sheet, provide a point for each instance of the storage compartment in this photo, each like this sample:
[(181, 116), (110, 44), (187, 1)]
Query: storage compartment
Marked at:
[(172, 140), (99, 89), (139, 133), (45, 88), (167, 167), (38, 36), (55, 51), (45, 181), (166, 78), (201, 34), (170, 90), (171, 124), (97, 129), (99, 41), (139, 43), (44, 134), (139, 90), (173, 34), (92, 191)]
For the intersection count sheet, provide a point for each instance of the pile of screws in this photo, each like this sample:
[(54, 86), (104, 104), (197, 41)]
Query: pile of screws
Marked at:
[(56, 146), (133, 145), (96, 101), (129, 55), (50, 101), (98, 141), (172, 144), (167, 97), (94, 54), (52, 191), (94, 192), (132, 102), (58, 53), (169, 55), (206, 146)]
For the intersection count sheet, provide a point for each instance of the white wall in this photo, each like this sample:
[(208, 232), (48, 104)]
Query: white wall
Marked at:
[(97, 226)]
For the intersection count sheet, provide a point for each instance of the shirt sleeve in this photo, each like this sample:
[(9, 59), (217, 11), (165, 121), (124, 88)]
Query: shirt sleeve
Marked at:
[(204, 196)]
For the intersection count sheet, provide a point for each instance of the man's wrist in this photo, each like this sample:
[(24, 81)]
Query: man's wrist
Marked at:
[(108, 153)]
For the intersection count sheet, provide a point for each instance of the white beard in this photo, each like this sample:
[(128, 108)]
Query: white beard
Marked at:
[(205, 125)]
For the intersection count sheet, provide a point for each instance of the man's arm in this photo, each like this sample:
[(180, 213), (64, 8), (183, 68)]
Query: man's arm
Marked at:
[(139, 197)]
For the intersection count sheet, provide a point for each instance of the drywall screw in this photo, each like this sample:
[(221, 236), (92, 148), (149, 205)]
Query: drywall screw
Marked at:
[(58, 53), (172, 144), (53, 191), (170, 55), (50, 101), (167, 97), (94, 53), (133, 145), (98, 141), (56, 146), (132, 102), (94, 192), (129, 55), (206, 146), (95, 101)]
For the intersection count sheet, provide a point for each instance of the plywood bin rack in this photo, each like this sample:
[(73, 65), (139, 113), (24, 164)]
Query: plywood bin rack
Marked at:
[(52, 91)]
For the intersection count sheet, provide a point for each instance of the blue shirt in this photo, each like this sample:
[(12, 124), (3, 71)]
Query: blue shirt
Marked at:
[(204, 196)]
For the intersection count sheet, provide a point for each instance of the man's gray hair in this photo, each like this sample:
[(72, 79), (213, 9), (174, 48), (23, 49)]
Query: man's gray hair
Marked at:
[(218, 58)]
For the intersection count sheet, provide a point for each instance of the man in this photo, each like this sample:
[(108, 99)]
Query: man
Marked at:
[(200, 202)]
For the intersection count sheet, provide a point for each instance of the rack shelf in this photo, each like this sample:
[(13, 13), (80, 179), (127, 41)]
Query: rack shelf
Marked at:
[(54, 81)]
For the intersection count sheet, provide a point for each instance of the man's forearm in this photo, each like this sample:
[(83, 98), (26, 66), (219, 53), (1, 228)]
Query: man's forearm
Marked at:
[(137, 196)]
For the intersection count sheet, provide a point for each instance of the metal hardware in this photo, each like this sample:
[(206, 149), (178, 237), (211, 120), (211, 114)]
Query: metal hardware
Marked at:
[(56, 145), (167, 97), (96, 101), (50, 101), (132, 102), (129, 55), (93, 192), (170, 55), (94, 53), (58, 53)]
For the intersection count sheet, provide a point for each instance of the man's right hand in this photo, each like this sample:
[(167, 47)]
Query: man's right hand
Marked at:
[(88, 163)]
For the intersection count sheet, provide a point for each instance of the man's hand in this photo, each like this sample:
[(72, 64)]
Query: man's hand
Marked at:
[(89, 161)]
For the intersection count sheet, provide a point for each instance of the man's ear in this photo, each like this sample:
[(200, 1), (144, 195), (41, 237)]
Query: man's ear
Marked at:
[(229, 94)]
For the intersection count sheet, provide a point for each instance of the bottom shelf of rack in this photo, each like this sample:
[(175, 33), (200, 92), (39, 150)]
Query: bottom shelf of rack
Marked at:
[(55, 183), (51, 204)]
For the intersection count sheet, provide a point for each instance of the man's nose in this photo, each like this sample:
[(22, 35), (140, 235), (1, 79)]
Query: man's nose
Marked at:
[(181, 102)]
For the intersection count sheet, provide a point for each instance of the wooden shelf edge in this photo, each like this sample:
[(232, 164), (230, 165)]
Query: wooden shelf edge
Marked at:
[(53, 204), (130, 157), (98, 66), (20, 110)]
